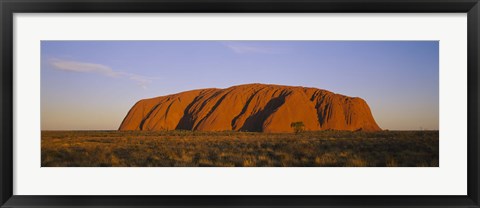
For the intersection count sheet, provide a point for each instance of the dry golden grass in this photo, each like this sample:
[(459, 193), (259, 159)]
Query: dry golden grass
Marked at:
[(239, 149)]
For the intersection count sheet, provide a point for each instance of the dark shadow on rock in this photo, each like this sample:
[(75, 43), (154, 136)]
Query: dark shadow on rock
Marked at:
[(186, 122), (211, 110), (244, 109), (255, 122)]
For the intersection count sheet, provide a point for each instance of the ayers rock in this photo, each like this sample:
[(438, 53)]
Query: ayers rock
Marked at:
[(251, 107)]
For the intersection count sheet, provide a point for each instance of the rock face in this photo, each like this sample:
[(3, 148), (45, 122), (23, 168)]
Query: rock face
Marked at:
[(251, 107)]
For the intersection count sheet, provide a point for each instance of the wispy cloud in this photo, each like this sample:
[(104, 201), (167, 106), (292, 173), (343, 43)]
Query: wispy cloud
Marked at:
[(141, 80), (85, 67), (243, 48)]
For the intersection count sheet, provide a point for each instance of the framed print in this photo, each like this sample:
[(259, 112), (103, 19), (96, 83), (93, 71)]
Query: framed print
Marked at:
[(239, 104)]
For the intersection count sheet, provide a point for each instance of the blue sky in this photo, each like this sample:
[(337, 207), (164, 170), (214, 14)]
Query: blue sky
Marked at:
[(91, 85)]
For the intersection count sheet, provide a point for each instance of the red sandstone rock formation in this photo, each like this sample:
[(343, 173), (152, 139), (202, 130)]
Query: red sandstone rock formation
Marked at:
[(251, 107)]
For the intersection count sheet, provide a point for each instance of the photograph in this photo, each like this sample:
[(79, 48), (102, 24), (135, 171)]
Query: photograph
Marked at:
[(239, 103)]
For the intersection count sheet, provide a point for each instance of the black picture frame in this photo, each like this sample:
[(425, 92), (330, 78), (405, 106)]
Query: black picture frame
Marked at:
[(9, 7)]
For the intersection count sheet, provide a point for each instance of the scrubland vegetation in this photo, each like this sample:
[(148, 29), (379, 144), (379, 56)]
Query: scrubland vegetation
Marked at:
[(239, 149)]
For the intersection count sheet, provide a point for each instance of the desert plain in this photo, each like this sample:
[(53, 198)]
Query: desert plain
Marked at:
[(239, 149)]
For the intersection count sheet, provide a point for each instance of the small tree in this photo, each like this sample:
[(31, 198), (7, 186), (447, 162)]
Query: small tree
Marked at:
[(297, 126)]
